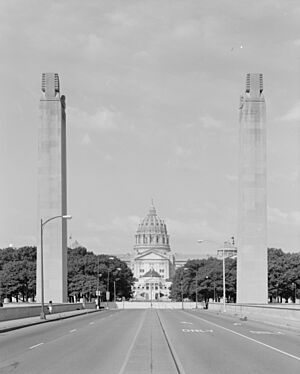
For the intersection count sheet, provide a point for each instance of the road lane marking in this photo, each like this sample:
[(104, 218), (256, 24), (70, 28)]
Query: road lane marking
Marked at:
[(36, 345), (196, 330), (265, 332), (91, 323), (73, 330), (177, 362), (237, 324), (122, 370), (246, 337), (188, 323)]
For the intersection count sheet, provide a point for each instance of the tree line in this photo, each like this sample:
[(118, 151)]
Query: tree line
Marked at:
[(87, 273), (206, 277)]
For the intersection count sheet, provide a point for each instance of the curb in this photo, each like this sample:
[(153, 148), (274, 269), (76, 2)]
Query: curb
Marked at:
[(59, 317)]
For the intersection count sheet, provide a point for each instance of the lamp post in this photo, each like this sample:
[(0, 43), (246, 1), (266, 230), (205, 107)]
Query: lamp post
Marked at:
[(214, 290), (224, 282), (107, 292), (196, 289), (0, 293), (231, 251), (98, 285), (184, 269), (116, 279), (43, 223), (295, 290)]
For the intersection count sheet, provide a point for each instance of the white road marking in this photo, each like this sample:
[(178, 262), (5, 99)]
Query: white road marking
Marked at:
[(73, 330), (36, 345), (247, 337), (196, 330), (91, 323), (237, 324), (264, 332), (122, 370), (188, 323)]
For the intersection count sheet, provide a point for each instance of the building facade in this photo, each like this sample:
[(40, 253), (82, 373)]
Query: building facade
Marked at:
[(152, 264)]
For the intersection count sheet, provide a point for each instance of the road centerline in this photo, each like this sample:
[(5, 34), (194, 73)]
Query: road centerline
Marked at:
[(122, 370)]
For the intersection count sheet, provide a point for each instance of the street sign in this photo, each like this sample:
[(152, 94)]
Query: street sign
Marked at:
[(98, 293), (107, 295)]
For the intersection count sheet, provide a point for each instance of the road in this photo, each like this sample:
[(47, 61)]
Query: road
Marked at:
[(151, 341)]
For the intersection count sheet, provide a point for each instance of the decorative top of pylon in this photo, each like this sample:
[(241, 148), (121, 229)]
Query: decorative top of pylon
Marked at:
[(50, 85), (254, 85)]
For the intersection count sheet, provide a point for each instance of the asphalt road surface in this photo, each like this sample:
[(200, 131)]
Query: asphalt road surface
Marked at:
[(151, 341)]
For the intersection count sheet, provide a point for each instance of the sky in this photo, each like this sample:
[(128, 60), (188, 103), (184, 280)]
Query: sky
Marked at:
[(152, 92)]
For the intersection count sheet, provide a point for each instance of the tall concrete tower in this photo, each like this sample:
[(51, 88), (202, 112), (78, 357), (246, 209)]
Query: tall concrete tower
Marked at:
[(252, 274), (52, 191)]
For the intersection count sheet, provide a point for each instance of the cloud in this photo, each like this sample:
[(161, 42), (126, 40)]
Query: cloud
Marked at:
[(86, 140), (209, 122), (125, 224), (187, 30), (293, 114), (275, 215), (190, 229), (93, 45), (121, 19), (231, 177), (296, 42), (182, 152), (291, 177), (104, 119)]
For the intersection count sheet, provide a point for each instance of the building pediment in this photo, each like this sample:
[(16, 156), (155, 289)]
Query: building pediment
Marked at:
[(151, 255)]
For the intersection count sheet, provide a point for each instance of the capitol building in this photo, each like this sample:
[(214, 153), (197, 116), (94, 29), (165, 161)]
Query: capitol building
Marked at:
[(152, 263)]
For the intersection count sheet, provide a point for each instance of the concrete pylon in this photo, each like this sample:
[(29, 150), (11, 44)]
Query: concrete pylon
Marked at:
[(252, 268), (52, 191)]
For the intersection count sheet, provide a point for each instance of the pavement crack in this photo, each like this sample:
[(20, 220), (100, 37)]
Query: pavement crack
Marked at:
[(151, 352), (9, 368)]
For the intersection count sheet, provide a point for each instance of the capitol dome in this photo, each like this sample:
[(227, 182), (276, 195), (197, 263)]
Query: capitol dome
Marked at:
[(152, 234)]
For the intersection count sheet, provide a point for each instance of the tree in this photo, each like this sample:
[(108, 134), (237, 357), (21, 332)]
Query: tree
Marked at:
[(87, 272), (209, 276), (283, 274), (18, 273)]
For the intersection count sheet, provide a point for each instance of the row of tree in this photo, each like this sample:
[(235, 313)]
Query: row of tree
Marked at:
[(87, 273), (206, 276)]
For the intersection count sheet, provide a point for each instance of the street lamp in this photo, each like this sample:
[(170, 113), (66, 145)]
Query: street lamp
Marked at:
[(184, 269), (214, 290), (277, 285), (0, 295), (98, 281), (295, 290), (43, 223), (116, 279), (196, 289), (231, 251), (107, 291)]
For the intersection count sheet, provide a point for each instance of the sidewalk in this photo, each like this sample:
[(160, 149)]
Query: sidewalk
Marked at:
[(30, 321)]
